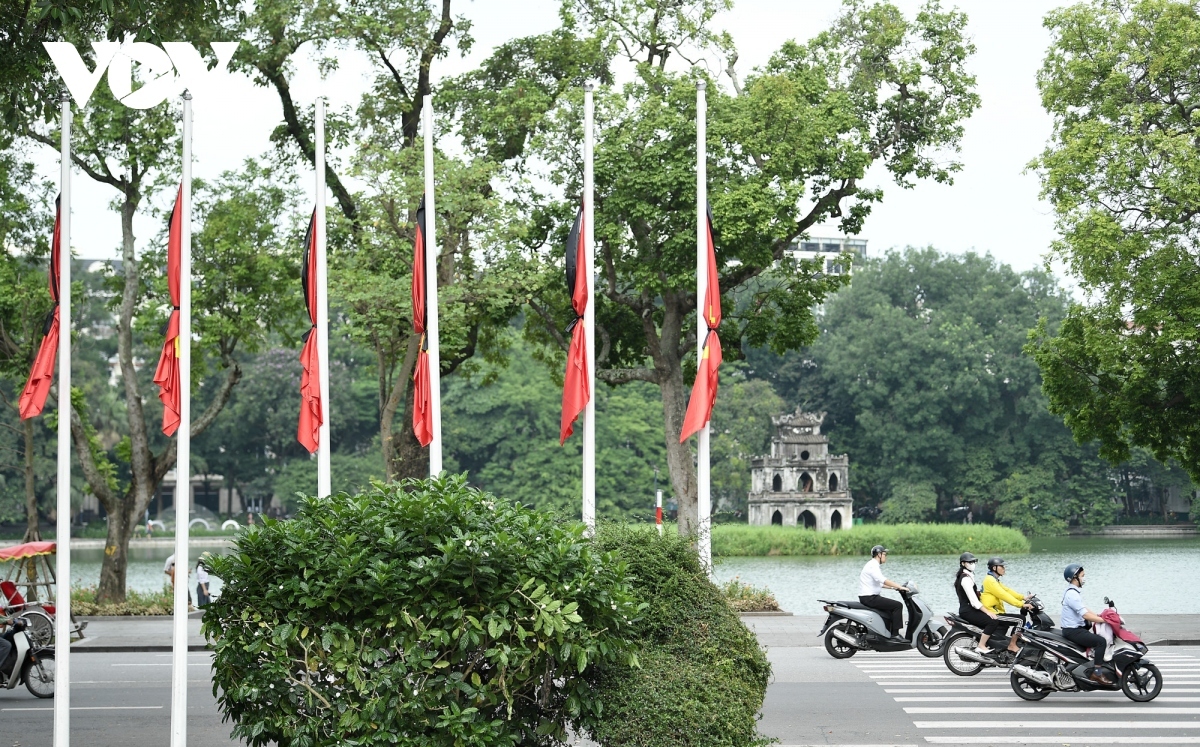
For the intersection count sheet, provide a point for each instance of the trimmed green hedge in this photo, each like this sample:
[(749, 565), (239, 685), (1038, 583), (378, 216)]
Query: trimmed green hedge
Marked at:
[(703, 676), (911, 539), (424, 613)]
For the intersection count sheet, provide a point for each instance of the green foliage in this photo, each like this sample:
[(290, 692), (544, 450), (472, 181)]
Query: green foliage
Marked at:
[(732, 540), (416, 613), (83, 602), (740, 431), (909, 503), (1121, 172), (703, 675), (744, 597), (921, 369)]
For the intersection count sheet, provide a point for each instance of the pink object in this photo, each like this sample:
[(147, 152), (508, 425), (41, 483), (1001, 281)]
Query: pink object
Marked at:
[(1113, 618)]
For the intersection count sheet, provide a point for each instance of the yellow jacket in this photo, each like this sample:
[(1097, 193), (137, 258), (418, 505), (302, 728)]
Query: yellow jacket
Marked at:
[(995, 594)]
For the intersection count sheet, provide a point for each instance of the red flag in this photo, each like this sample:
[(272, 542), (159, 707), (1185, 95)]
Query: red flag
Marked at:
[(704, 390), (311, 415), (422, 395), (167, 373), (33, 398), (576, 384)]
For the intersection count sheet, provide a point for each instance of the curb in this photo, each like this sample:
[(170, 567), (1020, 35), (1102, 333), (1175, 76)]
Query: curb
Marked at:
[(1174, 642), (772, 613)]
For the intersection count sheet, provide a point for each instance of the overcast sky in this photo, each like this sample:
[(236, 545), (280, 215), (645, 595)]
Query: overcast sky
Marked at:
[(993, 205)]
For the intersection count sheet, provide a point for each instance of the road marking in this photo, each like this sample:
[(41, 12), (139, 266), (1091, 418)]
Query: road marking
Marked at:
[(162, 664), (1034, 708), (1010, 725), (1062, 740), (956, 690), (91, 708), (1118, 697)]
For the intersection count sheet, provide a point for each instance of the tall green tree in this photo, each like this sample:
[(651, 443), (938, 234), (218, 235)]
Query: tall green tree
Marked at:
[(1121, 172), (787, 149), (921, 369)]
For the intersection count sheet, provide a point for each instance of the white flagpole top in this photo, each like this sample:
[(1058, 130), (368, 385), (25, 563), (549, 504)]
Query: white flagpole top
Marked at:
[(433, 345), (703, 465), (324, 471), (589, 313), (62, 589)]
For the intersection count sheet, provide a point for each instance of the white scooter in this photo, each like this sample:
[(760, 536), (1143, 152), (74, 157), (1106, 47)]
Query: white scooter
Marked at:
[(853, 627), (33, 665)]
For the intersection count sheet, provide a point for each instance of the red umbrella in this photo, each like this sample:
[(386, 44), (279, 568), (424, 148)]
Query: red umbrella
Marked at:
[(576, 386), (422, 395), (33, 398), (311, 415), (704, 390), (167, 373)]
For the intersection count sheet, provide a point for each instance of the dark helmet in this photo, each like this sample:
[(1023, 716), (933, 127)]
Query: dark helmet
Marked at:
[(878, 550), (967, 557), (994, 563), (1071, 571)]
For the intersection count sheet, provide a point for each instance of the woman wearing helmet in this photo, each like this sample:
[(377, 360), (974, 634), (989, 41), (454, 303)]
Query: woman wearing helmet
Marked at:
[(1075, 619), (996, 594), (970, 606)]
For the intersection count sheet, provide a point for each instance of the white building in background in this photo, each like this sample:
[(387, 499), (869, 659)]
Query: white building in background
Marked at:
[(829, 250)]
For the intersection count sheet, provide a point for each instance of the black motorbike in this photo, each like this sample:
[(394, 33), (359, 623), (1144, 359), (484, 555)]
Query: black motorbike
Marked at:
[(27, 662), (959, 650), (1050, 663)]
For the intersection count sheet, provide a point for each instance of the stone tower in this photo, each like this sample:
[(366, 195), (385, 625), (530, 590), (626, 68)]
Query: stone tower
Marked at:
[(800, 483)]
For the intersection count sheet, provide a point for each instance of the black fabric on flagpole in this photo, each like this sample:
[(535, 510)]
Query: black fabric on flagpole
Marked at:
[(572, 253), (424, 248)]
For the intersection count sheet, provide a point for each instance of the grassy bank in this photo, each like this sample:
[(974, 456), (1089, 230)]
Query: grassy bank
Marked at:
[(907, 539), (83, 603)]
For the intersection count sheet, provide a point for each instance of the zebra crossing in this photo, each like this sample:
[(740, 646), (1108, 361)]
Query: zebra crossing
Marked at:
[(983, 710)]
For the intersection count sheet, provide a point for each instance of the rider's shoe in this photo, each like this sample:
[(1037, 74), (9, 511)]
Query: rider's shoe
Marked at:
[(1100, 677)]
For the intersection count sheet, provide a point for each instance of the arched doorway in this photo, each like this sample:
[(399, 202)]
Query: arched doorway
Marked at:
[(835, 521), (807, 520), (806, 483), (833, 482), (777, 519), (777, 484)]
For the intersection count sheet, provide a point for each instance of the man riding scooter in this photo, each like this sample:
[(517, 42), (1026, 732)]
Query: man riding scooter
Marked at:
[(871, 584), (995, 595), (1075, 619)]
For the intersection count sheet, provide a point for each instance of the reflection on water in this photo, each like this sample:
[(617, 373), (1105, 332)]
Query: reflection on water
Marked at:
[(145, 570), (1143, 576)]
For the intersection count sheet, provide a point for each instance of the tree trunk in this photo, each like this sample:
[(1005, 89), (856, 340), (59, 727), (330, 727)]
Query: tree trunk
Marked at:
[(393, 443), (116, 560), (412, 459), (33, 532), (681, 464)]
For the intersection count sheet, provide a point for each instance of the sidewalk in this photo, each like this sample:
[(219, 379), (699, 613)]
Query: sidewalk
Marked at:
[(153, 634)]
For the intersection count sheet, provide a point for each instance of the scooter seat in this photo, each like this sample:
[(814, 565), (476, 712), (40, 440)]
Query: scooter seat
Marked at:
[(853, 605)]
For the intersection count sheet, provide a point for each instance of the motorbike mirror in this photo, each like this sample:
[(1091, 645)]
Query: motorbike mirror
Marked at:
[(1109, 602)]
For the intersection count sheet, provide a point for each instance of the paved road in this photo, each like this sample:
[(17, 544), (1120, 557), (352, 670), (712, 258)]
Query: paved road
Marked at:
[(123, 700)]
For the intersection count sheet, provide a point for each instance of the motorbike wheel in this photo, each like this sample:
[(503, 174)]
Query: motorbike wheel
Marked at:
[(1027, 689), (930, 646), (1142, 682), (836, 647), (39, 675), (955, 663)]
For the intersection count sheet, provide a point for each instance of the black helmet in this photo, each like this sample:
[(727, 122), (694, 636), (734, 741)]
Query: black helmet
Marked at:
[(878, 550), (1071, 571), (994, 563), (967, 557)]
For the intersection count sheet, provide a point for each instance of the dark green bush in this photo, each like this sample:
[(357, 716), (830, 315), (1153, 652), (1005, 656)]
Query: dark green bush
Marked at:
[(423, 613), (703, 675)]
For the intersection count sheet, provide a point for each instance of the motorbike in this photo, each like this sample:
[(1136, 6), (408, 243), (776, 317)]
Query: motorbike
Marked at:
[(27, 662), (852, 627), (959, 650), (1050, 663)]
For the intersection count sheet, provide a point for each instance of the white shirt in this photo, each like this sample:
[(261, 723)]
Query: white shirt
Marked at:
[(968, 584), (201, 575), (169, 564), (870, 581)]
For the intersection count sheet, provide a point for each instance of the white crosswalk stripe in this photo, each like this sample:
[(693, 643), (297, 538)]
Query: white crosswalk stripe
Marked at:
[(983, 703)]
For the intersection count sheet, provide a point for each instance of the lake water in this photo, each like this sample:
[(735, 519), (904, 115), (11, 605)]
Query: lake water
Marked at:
[(1143, 576)]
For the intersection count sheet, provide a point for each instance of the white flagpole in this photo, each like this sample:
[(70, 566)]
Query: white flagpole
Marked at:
[(183, 471), (324, 477), (589, 313), (431, 295), (62, 589), (703, 495)]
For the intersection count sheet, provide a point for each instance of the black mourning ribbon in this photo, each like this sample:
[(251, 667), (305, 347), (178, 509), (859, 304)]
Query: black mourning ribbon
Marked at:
[(167, 324), (304, 337), (49, 319)]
